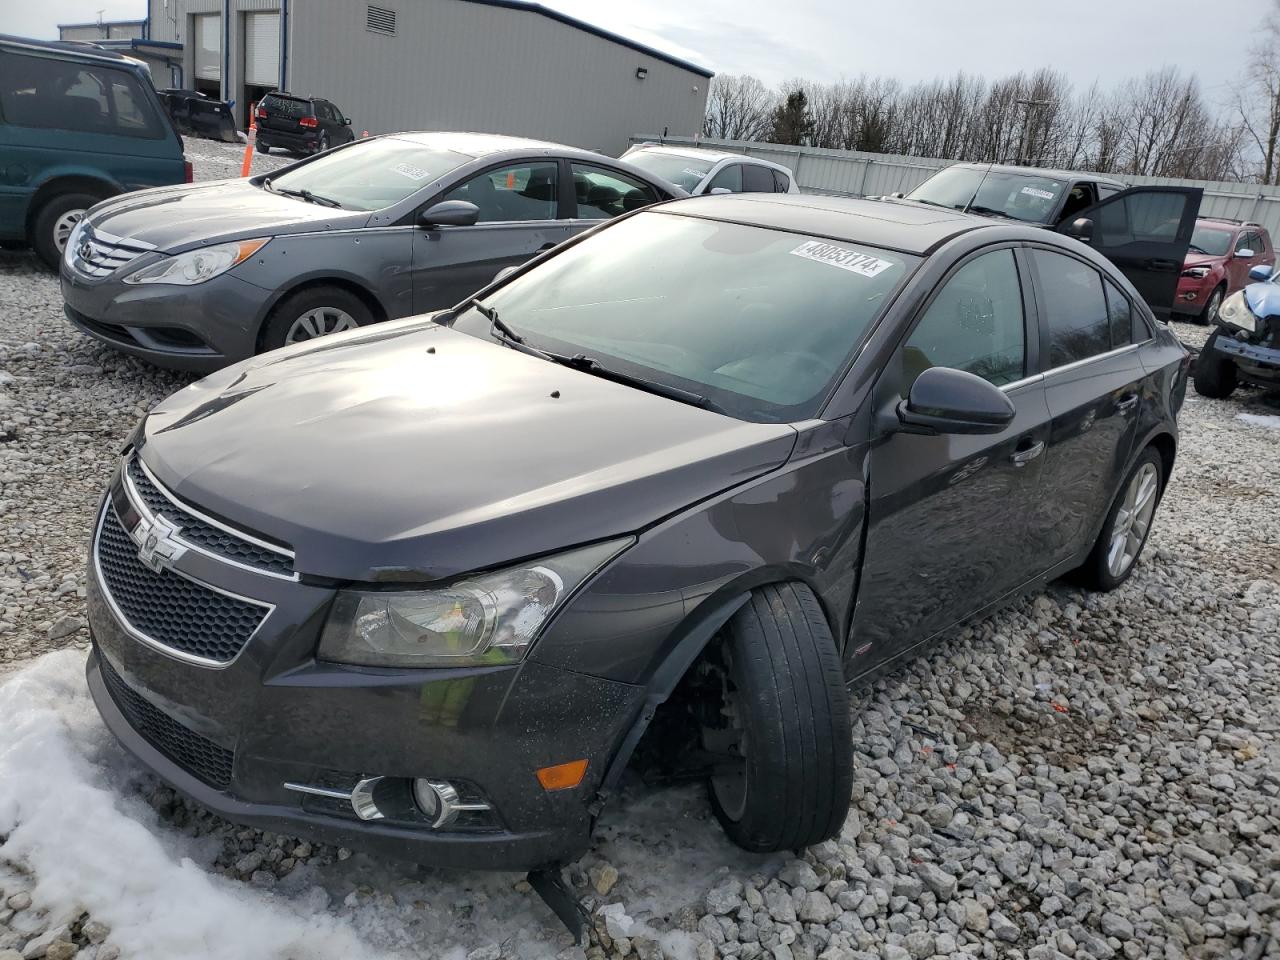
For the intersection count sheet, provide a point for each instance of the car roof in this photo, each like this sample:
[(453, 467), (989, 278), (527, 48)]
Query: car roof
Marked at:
[(478, 145), (76, 48), (1041, 172), (907, 227), (694, 152), (1229, 223)]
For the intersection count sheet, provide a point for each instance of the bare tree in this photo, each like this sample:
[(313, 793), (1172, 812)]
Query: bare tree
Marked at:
[(1257, 97), (738, 108)]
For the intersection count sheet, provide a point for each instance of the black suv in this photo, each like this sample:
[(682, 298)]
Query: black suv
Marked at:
[(300, 124)]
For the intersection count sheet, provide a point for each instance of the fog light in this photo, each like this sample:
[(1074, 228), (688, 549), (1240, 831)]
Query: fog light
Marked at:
[(439, 802)]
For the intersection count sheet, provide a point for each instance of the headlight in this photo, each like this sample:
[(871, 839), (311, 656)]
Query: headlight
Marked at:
[(1235, 312), (197, 266), (73, 241), (1196, 273), (491, 618)]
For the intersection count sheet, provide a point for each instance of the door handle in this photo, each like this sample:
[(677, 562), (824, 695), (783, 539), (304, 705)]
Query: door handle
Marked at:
[(1026, 452), (1158, 263), (1127, 402)]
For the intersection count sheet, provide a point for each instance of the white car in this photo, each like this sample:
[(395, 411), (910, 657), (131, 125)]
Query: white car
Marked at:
[(711, 171)]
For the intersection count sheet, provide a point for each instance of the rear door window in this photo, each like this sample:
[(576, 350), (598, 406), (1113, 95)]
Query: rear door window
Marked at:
[(781, 182), (756, 179), (730, 178), (1073, 306), (602, 194), (1120, 317), (54, 94)]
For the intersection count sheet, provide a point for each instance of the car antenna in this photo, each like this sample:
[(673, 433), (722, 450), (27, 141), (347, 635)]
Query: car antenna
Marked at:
[(978, 190)]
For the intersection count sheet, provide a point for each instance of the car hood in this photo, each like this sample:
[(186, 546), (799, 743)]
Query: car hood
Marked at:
[(413, 452), (175, 218), (1263, 299), (1201, 260)]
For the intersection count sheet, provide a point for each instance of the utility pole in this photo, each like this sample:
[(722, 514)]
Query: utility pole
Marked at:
[(1026, 121)]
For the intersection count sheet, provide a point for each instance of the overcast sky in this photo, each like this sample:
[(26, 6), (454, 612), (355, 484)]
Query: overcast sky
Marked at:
[(776, 40)]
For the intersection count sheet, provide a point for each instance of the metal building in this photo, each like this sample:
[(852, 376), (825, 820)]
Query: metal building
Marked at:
[(499, 66)]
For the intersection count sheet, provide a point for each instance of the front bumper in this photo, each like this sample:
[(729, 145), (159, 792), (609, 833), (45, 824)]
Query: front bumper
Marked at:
[(230, 736), (199, 328), (1193, 294), (1254, 360)]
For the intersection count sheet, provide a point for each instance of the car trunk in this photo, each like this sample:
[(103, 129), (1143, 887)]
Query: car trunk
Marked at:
[(286, 115)]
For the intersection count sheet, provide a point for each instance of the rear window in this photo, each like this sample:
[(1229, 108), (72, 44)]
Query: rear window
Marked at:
[(290, 108), (52, 94)]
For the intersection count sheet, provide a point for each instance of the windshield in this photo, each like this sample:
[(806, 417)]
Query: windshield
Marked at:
[(759, 322), (1022, 196), (370, 175), (685, 172), (1207, 240)]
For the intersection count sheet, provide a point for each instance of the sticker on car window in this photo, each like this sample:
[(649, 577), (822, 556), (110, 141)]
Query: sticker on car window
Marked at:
[(410, 171), (1037, 192), (694, 173), (852, 260)]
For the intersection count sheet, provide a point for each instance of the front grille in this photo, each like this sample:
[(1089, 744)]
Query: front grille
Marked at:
[(202, 534), (99, 254), (169, 609), (199, 756)]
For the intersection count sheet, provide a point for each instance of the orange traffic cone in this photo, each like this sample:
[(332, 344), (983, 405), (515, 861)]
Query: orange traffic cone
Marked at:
[(248, 147)]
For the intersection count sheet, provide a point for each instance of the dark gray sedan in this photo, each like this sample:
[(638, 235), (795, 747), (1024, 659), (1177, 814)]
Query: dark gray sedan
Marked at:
[(199, 276), (673, 484)]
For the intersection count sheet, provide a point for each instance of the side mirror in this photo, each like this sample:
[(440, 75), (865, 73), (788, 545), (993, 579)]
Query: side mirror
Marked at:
[(718, 191), (1262, 271), (346, 121), (1244, 253), (944, 400), (504, 273), (898, 195), (450, 213), (1081, 229)]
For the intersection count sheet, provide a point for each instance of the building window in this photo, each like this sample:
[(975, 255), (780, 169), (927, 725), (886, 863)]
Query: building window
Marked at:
[(380, 20)]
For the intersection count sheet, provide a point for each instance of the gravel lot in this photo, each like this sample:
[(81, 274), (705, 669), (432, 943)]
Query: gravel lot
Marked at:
[(1079, 776)]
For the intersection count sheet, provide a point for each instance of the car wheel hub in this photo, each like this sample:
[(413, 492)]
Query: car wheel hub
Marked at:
[(63, 226), (319, 322), (1133, 520), (1215, 302)]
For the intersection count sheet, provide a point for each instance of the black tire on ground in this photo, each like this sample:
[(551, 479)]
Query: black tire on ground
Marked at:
[(793, 710), (323, 143), (1210, 312), (46, 221), (264, 148), (275, 333), (1215, 373), (1095, 573)]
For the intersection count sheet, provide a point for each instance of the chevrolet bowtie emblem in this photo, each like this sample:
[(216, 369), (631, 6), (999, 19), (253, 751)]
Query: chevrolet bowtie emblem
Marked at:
[(158, 547)]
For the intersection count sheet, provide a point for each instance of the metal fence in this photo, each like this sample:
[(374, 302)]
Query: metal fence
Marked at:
[(850, 173)]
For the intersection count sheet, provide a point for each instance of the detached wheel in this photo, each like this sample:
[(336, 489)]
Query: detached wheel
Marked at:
[(1215, 374), (1210, 313), (313, 313), (1127, 526), (54, 222), (786, 698)]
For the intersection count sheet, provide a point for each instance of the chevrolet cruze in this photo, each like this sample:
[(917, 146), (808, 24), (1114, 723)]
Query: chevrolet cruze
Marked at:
[(425, 588)]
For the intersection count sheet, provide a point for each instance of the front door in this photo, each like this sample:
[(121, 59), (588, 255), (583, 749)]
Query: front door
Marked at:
[(1093, 385), (1146, 232), (946, 532), (520, 216)]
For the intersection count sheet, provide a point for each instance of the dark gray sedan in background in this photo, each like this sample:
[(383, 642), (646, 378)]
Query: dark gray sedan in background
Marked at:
[(680, 479), (199, 276)]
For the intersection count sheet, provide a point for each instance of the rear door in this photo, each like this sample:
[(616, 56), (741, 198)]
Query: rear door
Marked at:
[(1145, 231)]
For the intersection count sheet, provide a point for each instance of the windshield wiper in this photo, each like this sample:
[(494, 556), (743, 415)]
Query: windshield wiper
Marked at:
[(308, 196), (1198, 249), (580, 361), (990, 212), (499, 330)]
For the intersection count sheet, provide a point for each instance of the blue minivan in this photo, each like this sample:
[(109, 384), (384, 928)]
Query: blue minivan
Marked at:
[(78, 124)]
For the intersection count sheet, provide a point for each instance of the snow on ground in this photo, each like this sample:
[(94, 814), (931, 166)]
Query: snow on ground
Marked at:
[(1269, 421)]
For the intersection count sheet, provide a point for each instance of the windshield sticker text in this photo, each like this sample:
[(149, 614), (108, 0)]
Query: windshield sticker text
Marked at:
[(842, 257), (410, 171), (1037, 192)]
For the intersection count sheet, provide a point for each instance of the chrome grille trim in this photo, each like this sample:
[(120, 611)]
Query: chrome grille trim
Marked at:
[(140, 504), (107, 253)]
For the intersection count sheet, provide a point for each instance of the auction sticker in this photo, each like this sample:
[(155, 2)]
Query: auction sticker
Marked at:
[(410, 171), (852, 260), (1037, 192)]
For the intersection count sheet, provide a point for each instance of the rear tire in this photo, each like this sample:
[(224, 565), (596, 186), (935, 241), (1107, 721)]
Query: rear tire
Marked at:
[(1129, 517), (54, 222), (1215, 374), (313, 313), (789, 700)]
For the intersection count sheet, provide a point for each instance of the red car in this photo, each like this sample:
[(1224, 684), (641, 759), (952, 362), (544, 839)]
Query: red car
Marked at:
[(1218, 263)]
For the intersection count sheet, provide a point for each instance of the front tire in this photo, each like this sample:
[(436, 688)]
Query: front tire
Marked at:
[(788, 698), (1215, 374), (1209, 315), (1127, 527), (54, 222), (313, 313)]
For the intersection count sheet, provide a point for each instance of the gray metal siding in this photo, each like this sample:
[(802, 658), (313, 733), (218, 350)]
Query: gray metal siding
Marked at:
[(874, 174), (464, 66)]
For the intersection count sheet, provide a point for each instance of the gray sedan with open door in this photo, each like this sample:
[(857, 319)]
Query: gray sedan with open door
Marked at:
[(200, 276)]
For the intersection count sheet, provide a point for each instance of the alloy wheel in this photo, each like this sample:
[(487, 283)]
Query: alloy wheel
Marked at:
[(319, 322), (1211, 311), (63, 226), (1133, 520)]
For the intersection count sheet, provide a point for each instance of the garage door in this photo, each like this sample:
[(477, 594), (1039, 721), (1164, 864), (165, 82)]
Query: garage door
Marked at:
[(208, 34), (262, 49)]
